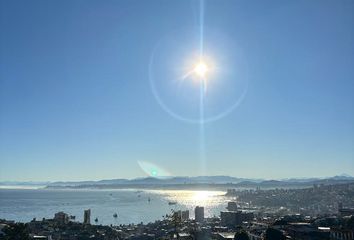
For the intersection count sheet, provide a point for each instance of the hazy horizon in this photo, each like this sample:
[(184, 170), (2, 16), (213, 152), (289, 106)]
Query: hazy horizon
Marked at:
[(93, 90), (146, 176)]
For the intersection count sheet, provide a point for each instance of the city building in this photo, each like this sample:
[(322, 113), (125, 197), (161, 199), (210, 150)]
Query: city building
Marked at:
[(230, 192), (233, 218), (343, 212), (185, 236), (306, 231), (231, 206), (61, 218), (199, 214), (87, 216), (255, 234), (225, 236), (182, 215), (185, 215)]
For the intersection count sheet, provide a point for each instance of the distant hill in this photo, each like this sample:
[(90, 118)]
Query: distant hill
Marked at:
[(293, 184), (192, 182), (152, 180), (15, 183), (210, 181)]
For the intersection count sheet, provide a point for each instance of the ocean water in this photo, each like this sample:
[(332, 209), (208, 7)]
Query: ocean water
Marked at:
[(131, 206)]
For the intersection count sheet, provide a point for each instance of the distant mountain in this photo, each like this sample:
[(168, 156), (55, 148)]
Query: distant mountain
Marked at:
[(304, 180), (152, 180), (15, 183), (100, 182), (343, 177), (225, 181), (300, 180), (216, 179), (295, 183)]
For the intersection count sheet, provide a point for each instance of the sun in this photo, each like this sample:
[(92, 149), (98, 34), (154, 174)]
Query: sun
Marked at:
[(201, 69)]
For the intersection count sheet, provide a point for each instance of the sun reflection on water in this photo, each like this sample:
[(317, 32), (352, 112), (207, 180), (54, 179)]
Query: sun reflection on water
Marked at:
[(189, 199)]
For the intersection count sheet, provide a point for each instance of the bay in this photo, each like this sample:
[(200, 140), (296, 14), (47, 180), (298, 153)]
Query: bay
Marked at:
[(131, 205)]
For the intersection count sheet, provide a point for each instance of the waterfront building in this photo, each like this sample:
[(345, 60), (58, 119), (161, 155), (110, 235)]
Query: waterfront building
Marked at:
[(199, 214), (231, 192), (61, 218), (87, 216)]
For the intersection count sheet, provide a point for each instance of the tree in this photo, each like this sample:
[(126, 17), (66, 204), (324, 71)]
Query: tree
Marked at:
[(175, 219), (241, 235), (350, 223), (274, 234), (17, 231)]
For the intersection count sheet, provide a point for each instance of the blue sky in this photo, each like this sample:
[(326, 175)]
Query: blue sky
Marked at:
[(76, 102)]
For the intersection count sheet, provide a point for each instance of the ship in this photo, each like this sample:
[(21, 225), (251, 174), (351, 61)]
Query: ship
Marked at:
[(172, 203), (115, 215)]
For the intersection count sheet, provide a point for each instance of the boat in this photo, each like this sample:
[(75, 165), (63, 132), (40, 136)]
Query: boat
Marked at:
[(172, 203), (149, 199), (115, 215), (96, 219)]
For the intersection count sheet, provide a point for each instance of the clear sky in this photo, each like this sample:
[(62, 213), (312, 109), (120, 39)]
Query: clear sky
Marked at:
[(76, 102)]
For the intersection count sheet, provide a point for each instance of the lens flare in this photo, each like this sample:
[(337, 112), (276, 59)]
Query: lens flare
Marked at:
[(180, 73), (153, 170)]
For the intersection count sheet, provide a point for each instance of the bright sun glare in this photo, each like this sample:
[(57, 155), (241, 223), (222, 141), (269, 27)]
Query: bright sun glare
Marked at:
[(201, 69), (202, 195)]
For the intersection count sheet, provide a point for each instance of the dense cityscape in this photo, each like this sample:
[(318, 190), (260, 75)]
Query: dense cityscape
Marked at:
[(320, 212)]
